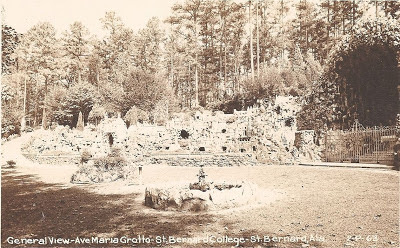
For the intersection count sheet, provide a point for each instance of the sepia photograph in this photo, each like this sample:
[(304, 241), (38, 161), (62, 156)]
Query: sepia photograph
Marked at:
[(200, 123)]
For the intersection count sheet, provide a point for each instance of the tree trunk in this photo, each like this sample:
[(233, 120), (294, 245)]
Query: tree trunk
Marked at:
[(35, 111), (334, 19), (306, 24), (328, 26), (172, 69), (196, 77), (196, 85), (189, 82), (258, 44), (376, 14), (225, 55), (98, 81), (353, 19), (251, 44), (44, 117), (220, 58), (225, 74), (23, 121), (281, 30), (235, 78), (343, 24)]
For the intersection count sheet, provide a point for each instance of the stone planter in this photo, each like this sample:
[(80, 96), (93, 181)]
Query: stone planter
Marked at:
[(181, 198)]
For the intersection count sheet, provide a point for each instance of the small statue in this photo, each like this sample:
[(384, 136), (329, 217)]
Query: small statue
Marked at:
[(201, 185), (202, 175)]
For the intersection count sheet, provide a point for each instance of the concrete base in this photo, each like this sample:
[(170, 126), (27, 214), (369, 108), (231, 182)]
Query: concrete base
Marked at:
[(349, 165)]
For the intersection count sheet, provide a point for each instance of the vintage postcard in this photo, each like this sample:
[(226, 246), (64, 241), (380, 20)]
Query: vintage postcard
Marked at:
[(200, 123)]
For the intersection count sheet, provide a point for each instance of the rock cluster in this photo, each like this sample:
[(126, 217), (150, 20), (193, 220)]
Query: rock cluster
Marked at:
[(64, 141), (182, 198), (88, 173), (265, 133)]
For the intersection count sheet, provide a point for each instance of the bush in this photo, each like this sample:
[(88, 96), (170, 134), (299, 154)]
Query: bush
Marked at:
[(114, 160), (85, 156), (97, 114), (11, 163), (104, 169), (115, 152), (10, 124), (135, 115)]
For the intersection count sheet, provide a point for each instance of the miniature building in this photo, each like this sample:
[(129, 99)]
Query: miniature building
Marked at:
[(265, 132), (261, 131)]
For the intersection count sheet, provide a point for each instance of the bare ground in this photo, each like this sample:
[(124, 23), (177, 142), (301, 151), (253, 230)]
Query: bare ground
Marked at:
[(348, 207)]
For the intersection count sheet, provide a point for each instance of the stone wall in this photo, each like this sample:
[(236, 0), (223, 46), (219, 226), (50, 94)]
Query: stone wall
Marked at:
[(267, 131), (214, 160), (56, 160)]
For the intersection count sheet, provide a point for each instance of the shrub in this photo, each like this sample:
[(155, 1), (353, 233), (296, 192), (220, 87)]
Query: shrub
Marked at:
[(85, 156), (112, 161), (10, 124), (104, 169), (231, 119), (135, 115), (11, 163), (115, 152), (97, 114)]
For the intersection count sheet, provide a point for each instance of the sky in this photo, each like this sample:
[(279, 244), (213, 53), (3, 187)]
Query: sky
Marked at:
[(23, 14)]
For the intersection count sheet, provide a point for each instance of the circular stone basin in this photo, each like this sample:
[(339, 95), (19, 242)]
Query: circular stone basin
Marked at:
[(179, 197)]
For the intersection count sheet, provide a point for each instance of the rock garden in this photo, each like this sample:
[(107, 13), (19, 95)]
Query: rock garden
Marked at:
[(202, 195)]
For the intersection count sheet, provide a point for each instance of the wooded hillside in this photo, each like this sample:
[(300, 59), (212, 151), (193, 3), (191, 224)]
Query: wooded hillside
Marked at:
[(214, 54)]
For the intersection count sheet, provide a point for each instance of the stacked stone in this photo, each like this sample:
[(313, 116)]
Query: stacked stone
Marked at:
[(182, 198), (64, 142), (204, 160)]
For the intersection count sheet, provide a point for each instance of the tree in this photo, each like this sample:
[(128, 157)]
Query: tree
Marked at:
[(38, 53), (251, 42), (235, 29), (144, 90), (187, 17), (11, 102), (9, 42), (76, 48), (80, 98), (97, 114), (55, 103), (360, 81), (115, 53), (147, 46), (136, 115), (116, 48)]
